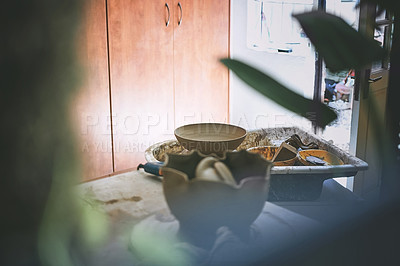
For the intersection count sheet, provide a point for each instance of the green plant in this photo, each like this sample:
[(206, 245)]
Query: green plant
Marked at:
[(341, 47)]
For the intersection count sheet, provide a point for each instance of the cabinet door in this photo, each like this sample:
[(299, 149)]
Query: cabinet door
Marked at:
[(91, 105), (141, 72), (201, 81)]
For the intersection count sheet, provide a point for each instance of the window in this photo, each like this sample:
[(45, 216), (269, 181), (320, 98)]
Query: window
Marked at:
[(271, 27)]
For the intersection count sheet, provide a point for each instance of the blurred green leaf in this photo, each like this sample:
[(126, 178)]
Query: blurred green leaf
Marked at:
[(341, 46), (157, 247), (94, 225), (312, 110)]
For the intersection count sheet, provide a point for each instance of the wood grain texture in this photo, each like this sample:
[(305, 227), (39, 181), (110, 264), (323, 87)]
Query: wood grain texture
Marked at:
[(91, 106), (141, 71), (201, 81)]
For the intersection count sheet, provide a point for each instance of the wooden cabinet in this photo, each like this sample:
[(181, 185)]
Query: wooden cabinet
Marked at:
[(201, 81), (91, 105), (162, 73), (141, 73)]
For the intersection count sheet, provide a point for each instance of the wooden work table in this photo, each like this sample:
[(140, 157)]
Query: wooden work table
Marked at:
[(135, 200)]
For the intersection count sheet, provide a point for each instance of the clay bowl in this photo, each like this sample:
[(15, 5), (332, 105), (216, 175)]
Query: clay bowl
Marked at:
[(202, 206), (268, 153), (318, 158), (210, 137)]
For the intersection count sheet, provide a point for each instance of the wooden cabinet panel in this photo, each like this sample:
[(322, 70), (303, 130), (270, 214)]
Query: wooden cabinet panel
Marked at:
[(143, 78), (91, 106), (141, 72), (201, 81)]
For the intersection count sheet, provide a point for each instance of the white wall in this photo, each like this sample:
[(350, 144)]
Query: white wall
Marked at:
[(250, 109)]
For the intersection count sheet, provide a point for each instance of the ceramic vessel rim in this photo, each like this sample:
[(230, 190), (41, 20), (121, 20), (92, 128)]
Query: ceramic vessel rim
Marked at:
[(299, 155), (224, 156), (235, 187), (223, 124), (291, 160)]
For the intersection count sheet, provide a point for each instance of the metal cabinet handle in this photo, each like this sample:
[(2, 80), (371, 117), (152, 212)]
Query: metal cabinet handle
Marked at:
[(169, 15), (372, 80), (180, 19)]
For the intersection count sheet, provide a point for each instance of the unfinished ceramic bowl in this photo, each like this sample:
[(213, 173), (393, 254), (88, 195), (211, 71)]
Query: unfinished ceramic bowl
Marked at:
[(210, 137), (201, 206), (318, 158), (268, 153)]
